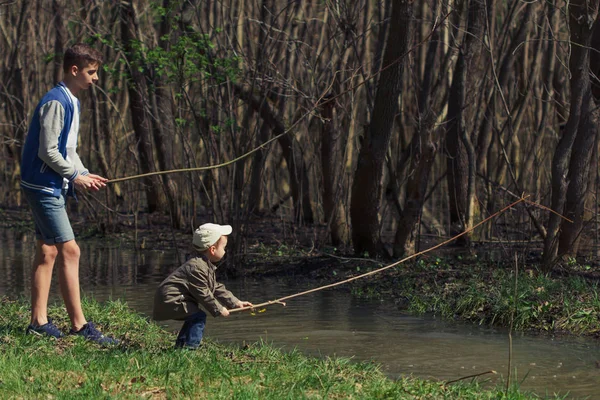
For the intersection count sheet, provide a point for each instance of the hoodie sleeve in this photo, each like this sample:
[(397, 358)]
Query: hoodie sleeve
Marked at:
[(52, 116)]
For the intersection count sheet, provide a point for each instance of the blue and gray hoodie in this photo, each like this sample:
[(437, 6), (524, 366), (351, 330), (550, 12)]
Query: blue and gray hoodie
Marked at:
[(44, 163)]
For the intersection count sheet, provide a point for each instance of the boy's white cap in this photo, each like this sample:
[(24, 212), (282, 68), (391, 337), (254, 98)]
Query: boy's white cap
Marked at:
[(208, 234)]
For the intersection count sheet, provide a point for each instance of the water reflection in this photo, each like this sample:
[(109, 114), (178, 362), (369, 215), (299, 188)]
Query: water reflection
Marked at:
[(331, 323)]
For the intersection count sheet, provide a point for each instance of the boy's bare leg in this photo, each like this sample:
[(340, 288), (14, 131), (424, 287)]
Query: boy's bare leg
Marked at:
[(68, 275), (41, 277)]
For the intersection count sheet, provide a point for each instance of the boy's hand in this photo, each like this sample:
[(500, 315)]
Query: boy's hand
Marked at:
[(98, 179), (224, 312), (85, 182), (90, 182), (241, 304)]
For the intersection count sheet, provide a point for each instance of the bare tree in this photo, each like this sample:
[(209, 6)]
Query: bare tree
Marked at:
[(332, 166), (367, 186), (140, 108), (570, 165), (459, 147)]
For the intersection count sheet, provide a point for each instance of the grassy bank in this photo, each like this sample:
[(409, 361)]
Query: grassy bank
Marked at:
[(147, 366), (485, 294)]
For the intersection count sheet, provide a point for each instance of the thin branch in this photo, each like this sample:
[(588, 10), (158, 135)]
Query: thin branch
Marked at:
[(491, 371)]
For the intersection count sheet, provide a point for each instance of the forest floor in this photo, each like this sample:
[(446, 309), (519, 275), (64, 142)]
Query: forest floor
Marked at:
[(476, 285)]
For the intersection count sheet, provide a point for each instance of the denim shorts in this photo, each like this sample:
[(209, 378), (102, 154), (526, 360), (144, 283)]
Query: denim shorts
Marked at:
[(52, 224)]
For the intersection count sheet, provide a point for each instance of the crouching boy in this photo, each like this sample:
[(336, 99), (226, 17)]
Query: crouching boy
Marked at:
[(193, 286)]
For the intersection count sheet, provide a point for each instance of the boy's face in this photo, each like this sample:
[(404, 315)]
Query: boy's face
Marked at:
[(217, 250), (85, 77)]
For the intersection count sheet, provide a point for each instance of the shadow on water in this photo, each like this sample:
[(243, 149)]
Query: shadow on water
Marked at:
[(331, 323)]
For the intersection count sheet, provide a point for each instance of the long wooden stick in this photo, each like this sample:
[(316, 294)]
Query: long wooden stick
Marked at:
[(282, 299)]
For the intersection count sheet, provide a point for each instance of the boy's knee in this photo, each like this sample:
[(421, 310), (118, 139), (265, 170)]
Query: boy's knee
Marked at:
[(70, 251), (48, 253)]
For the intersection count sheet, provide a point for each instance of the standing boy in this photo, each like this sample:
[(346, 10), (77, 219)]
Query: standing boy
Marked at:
[(50, 169), (194, 285)]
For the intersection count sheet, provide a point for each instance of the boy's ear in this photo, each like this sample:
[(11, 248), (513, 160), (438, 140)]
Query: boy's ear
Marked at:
[(74, 70)]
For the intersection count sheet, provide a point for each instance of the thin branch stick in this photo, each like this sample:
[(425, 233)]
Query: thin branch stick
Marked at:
[(491, 371), (548, 209), (280, 300), (510, 329), (526, 201)]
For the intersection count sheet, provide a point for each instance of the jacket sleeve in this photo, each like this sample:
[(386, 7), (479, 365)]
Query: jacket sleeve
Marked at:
[(225, 296), (199, 289), (74, 156), (77, 162), (52, 116)]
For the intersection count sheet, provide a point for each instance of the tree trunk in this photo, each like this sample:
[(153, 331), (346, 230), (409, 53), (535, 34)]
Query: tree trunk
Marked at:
[(569, 162), (59, 41), (138, 104), (460, 152), (259, 158), (367, 187), (423, 150), (291, 152), (422, 161), (579, 171), (16, 95), (332, 166), (547, 116), (163, 125), (258, 167), (504, 72)]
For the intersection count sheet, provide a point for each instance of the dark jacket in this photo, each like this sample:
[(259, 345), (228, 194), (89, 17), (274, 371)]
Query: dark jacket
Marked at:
[(189, 287)]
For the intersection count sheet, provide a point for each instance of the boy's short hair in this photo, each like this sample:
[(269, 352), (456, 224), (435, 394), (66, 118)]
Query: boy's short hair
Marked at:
[(81, 55), (209, 234)]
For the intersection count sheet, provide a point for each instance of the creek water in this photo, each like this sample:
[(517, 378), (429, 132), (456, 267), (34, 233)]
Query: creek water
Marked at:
[(331, 323)]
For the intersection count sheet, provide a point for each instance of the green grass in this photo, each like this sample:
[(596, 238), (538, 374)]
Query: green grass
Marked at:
[(486, 295), (147, 366)]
